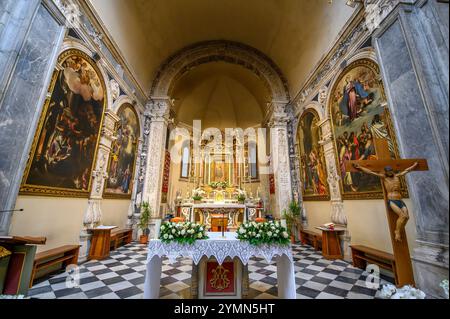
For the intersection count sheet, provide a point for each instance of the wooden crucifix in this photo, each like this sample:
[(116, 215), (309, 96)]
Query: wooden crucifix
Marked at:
[(390, 171)]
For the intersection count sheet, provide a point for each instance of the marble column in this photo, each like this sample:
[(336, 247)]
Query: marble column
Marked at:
[(158, 112), (93, 215), (279, 147), (338, 215), (30, 36), (412, 46)]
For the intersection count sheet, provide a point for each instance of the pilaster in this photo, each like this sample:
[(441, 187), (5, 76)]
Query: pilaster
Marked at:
[(158, 114), (412, 48), (93, 215), (279, 146)]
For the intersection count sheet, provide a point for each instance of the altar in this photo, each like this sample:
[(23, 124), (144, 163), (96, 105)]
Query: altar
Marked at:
[(219, 266)]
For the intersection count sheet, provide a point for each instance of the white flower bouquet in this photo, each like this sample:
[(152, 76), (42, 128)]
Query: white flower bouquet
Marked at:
[(407, 292), (268, 233), (183, 233)]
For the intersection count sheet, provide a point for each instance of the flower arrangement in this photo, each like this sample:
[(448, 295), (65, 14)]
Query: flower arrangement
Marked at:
[(198, 194), (215, 185), (183, 233), (264, 233), (242, 196), (407, 292)]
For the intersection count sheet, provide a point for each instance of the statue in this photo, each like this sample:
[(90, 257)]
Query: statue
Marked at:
[(392, 184)]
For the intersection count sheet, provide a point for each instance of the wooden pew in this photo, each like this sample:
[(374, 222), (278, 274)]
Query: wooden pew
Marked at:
[(363, 255), (121, 237), (65, 255), (311, 238)]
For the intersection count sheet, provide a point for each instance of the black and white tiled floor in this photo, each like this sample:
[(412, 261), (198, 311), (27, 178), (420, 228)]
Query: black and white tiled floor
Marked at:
[(122, 277)]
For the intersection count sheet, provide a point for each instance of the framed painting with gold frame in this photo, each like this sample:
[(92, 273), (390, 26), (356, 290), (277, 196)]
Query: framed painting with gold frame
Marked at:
[(123, 155), (65, 145), (359, 114), (313, 169)]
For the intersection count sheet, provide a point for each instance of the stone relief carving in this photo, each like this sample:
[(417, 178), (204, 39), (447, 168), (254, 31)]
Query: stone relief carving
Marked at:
[(376, 11), (93, 212), (158, 118), (115, 89), (323, 95)]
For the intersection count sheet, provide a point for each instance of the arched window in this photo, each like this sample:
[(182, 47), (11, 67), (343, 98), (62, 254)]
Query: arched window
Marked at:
[(185, 159), (253, 160)]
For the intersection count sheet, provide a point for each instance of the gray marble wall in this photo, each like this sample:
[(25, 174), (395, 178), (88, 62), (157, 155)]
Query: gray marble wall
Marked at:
[(412, 45), (29, 42)]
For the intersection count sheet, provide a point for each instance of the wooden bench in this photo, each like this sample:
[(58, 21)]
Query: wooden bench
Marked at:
[(121, 237), (65, 255), (311, 238), (363, 255)]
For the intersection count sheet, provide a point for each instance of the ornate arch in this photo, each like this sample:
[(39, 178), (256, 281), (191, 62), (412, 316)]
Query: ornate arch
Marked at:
[(220, 51)]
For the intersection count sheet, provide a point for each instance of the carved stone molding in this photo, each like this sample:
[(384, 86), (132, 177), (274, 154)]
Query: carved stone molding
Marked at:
[(93, 213), (356, 31), (377, 11), (225, 51), (115, 89)]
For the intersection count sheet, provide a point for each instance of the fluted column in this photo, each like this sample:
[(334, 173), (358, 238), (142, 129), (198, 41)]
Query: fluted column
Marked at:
[(279, 147), (158, 113)]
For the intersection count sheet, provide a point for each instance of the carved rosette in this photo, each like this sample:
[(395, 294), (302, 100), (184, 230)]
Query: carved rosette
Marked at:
[(158, 115)]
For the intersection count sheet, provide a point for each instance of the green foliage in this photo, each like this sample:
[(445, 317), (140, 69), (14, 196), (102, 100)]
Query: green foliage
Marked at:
[(183, 233), (145, 216), (293, 216), (215, 185), (269, 233)]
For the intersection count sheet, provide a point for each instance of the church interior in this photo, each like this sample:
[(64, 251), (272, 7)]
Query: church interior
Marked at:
[(258, 149)]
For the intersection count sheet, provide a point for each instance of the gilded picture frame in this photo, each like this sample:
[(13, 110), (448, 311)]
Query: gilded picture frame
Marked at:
[(119, 173), (360, 92), (313, 168), (69, 130)]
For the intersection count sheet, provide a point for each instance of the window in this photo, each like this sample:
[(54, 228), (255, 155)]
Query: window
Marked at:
[(185, 160), (253, 160)]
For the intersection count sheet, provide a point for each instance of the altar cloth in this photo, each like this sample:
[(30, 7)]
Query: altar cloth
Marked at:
[(221, 249)]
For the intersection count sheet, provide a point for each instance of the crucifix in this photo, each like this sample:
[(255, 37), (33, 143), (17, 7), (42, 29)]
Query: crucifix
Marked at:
[(390, 171)]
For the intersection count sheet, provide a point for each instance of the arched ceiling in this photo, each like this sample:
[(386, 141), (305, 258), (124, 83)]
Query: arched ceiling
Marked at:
[(221, 95), (295, 34)]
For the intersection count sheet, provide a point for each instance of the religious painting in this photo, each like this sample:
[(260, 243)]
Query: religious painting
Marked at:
[(359, 115), (312, 159), (65, 146), (122, 159)]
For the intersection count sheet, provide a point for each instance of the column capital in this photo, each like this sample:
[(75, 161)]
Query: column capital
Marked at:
[(277, 114), (158, 109)]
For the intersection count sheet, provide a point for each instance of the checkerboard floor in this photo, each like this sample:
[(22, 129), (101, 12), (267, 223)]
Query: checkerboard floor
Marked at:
[(122, 277)]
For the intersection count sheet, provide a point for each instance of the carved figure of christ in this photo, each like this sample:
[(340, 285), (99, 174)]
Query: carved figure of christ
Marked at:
[(390, 172)]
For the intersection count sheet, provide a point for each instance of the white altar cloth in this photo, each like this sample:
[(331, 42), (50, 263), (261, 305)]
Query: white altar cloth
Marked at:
[(219, 248)]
